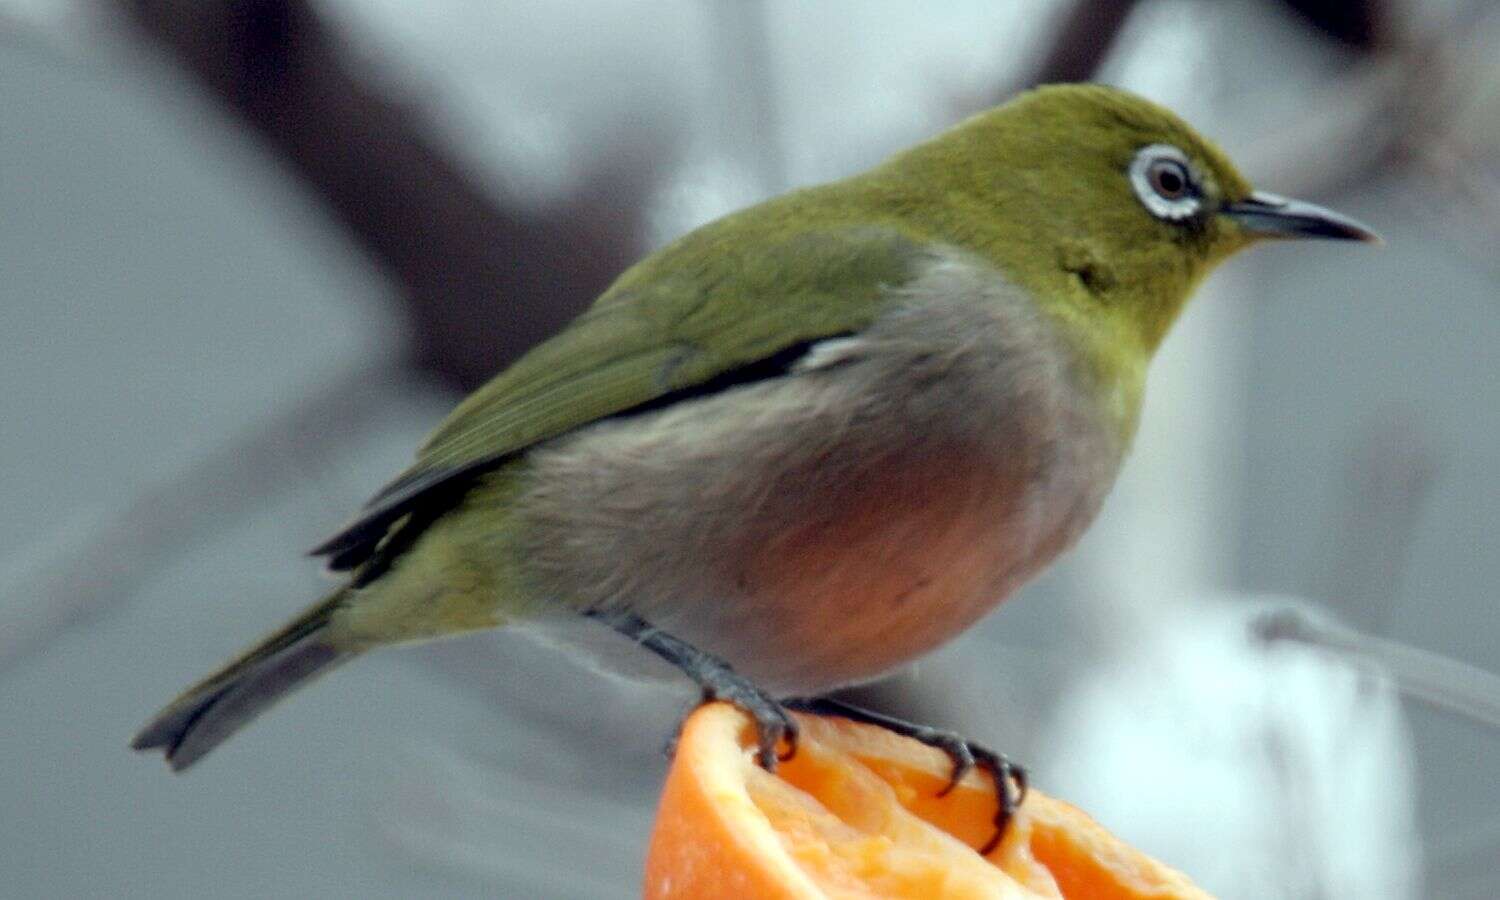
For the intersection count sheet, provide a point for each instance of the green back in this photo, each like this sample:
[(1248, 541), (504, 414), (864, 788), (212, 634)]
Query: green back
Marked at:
[(723, 299)]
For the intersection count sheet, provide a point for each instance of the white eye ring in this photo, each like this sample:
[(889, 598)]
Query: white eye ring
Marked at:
[(1165, 182)]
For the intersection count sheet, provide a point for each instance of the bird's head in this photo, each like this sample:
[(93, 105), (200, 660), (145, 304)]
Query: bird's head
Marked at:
[(1103, 203)]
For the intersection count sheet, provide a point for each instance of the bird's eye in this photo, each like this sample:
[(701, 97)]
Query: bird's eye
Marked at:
[(1165, 183), (1168, 178)]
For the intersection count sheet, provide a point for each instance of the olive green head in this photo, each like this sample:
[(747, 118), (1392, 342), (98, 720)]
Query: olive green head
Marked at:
[(1100, 202)]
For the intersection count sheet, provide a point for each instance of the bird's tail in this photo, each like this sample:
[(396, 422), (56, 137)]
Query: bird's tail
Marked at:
[(212, 710)]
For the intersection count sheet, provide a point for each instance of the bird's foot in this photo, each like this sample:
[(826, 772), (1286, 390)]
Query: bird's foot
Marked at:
[(773, 724), (1010, 779)]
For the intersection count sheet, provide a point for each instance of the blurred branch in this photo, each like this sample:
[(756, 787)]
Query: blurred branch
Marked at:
[(482, 281), (1082, 41), (1431, 678), (1361, 25)]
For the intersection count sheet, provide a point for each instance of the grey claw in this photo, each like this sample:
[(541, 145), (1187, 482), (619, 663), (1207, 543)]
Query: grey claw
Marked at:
[(1004, 772), (791, 731), (963, 764)]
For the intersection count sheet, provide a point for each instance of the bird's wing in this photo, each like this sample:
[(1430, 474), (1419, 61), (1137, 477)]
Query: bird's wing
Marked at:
[(681, 324)]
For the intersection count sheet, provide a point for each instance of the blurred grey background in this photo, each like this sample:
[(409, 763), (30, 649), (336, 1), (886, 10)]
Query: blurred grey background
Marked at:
[(251, 250)]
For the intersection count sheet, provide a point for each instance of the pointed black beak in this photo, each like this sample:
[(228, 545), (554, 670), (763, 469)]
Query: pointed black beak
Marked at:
[(1268, 215)]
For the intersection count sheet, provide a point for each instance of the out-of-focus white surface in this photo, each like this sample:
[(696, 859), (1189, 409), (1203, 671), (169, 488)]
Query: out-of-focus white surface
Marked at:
[(1266, 770)]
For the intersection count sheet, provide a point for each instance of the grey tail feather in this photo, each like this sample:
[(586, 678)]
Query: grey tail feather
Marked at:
[(211, 711)]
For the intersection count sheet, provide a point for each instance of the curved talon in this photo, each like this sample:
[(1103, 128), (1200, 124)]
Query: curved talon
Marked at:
[(766, 738), (770, 731), (963, 764), (792, 733), (1003, 771), (993, 842)]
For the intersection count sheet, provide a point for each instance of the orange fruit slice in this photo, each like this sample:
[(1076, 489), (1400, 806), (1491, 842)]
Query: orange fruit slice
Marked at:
[(855, 814)]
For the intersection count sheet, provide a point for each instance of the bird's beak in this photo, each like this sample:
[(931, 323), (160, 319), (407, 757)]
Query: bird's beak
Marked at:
[(1268, 215)]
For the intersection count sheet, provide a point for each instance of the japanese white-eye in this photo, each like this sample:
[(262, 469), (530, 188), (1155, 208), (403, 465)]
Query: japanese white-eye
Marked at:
[(810, 441)]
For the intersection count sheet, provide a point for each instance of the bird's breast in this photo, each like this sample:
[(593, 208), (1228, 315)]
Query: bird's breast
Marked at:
[(824, 527)]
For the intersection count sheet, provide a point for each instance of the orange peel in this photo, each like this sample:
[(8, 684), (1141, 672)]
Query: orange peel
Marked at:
[(856, 814)]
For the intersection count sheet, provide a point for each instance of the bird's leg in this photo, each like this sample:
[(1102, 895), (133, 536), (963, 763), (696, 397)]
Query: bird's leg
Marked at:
[(719, 682), (966, 755)]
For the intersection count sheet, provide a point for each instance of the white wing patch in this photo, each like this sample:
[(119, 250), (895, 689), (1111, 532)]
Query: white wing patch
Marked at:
[(830, 353)]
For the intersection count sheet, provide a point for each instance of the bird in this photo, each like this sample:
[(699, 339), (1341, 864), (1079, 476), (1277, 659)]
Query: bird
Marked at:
[(809, 442)]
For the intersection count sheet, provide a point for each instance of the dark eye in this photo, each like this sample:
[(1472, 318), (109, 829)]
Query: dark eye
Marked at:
[(1165, 183), (1169, 178)]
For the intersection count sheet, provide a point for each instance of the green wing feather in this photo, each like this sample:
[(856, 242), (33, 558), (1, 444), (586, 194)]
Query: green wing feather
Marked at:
[(721, 299)]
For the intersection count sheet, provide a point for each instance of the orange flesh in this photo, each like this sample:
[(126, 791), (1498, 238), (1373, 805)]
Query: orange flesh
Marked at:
[(856, 815)]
